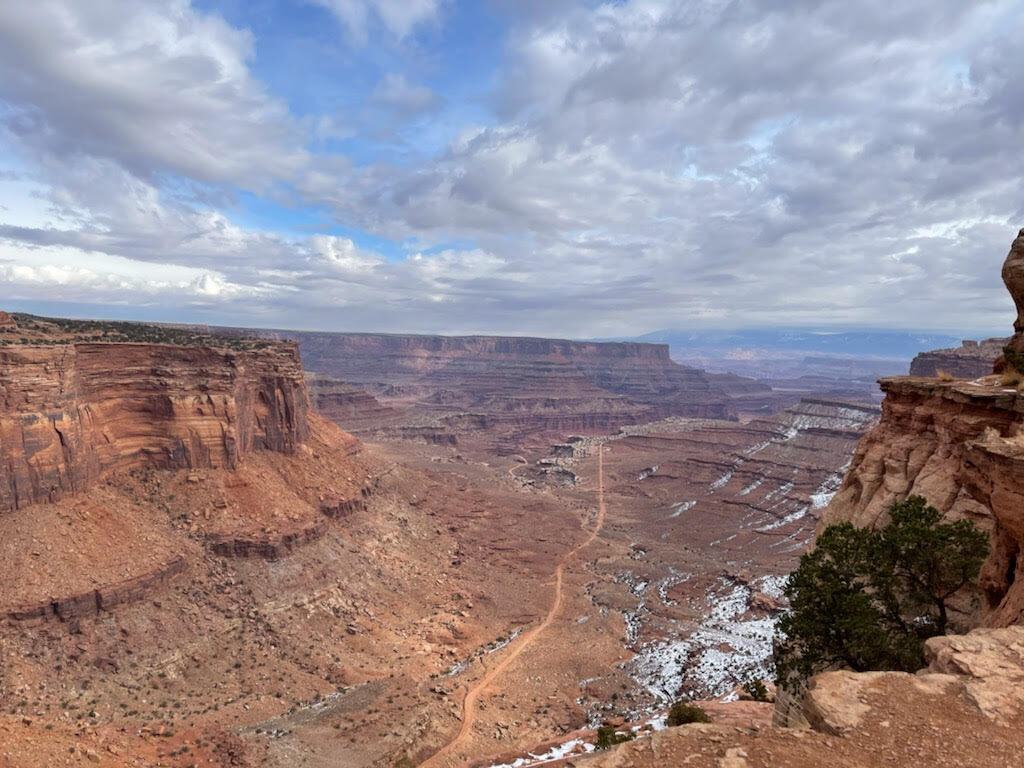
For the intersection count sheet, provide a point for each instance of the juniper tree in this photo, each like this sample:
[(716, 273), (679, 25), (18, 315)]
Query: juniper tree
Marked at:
[(868, 599)]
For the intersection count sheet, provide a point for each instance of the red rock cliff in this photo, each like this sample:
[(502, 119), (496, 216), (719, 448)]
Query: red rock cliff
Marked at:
[(961, 446), (69, 413)]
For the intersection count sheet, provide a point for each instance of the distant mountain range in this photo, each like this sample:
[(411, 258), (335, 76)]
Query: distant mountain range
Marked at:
[(902, 345)]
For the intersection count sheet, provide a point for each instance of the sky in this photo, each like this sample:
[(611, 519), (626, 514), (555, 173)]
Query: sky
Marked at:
[(544, 167)]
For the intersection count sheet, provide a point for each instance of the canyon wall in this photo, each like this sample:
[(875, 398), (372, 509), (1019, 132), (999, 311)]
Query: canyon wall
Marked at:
[(515, 377), (70, 412), (961, 447), (968, 361)]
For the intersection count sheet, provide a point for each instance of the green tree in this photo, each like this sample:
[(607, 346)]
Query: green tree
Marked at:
[(921, 562), (868, 599)]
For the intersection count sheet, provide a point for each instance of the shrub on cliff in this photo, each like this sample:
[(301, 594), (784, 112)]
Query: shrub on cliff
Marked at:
[(683, 713), (868, 599), (608, 737)]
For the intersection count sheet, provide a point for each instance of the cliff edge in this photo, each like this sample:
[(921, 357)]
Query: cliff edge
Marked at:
[(960, 444)]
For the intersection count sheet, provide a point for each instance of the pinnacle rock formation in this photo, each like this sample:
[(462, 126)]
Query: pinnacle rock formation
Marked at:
[(1013, 277), (6, 321)]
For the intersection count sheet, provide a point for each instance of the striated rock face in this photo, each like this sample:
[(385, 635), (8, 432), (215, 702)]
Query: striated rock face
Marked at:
[(510, 392), (959, 446), (345, 404), (968, 361), (69, 413), (472, 370)]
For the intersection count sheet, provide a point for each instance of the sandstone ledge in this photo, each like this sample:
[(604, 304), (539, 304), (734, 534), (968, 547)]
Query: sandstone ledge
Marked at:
[(102, 598)]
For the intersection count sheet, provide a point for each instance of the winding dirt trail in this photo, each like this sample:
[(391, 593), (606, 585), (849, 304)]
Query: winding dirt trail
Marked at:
[(469, 702)]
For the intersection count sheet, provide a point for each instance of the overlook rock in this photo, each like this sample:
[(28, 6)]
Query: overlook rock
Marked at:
[(71, 412)]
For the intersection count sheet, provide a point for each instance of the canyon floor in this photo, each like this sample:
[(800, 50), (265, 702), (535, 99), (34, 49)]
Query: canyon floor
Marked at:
[(468, 609)]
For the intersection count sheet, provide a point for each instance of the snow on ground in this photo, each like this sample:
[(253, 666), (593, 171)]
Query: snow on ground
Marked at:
[(644, 474), (555, 753), (682, 506), (725, 650), (797, 514), (722, 481), (829, 487), (753, 486), (674, 578)]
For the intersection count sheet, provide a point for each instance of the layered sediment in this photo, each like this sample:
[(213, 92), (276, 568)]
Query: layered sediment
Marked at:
[(968, 361), (960, 447), (70, 413), (513, 390)]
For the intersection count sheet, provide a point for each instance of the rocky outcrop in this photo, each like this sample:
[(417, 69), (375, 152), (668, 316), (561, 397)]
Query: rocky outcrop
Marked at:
[(70, 413), (957, 445), (984, 667), (961, 447), (102, 598), (6, 321), (350, 407), (519, 392), (968, 361), (1013, 277)]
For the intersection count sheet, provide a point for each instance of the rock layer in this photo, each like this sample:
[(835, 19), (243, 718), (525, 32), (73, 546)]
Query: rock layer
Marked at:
[(69, 413), (968, 361), (959, 446), (513, 375)]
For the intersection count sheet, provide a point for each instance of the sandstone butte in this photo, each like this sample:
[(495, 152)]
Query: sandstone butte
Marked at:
[(517, 385)]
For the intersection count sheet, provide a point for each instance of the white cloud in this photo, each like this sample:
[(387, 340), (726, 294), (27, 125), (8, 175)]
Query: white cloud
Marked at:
[(399, 17), (646, 164), (153, 87)]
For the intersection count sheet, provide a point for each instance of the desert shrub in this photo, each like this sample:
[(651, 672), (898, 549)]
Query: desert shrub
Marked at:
[(868, 599), (608, 737), (942, 375), (756, 690), (1014, 359), (683, 712)]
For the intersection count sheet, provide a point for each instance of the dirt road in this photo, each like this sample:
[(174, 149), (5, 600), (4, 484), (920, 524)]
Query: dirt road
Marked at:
[(444, 755)]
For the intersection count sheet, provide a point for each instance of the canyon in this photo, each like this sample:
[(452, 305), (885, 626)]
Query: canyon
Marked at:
[(240, 548), (521, 392)]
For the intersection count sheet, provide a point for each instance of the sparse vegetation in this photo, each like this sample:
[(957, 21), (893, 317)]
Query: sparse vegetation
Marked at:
[(942, 375), (756, 690), (685, 712), (608, 737), (1014, 359), (1012, 378), (52, 331), (868, 599)]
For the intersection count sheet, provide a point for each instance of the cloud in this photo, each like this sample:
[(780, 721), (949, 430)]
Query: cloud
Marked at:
[(629, 166), (399, 17), (152, 87), (407, 100)]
